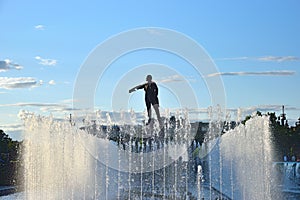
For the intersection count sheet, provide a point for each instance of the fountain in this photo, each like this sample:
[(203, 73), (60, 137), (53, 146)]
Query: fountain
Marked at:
[(243, 170), (66, 160), (57, 166)]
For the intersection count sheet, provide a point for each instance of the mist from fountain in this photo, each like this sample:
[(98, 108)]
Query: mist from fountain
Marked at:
[(244, 168), (57, 166), (63, 161)]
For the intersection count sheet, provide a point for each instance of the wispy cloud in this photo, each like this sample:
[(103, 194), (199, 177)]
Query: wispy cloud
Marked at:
[(197, 110), (264, 58), (19, 82), (247, 110), (279, 58), (234, 58), (34, 104), (69, 101), (58, 108), (263, 73), (262, 108), (7, 64), (11, 127), (175, 78), (269, 107), (44, 107), (46, 61), (39, 27)]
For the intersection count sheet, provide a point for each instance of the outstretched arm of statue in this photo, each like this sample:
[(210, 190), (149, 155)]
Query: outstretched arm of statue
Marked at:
[(137, 88)]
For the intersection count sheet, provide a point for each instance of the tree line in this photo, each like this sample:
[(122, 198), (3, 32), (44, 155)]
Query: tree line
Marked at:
[(285, 138), (9, 160)]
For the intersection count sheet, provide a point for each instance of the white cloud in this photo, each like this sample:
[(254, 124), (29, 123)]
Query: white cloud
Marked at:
[(11, 127), (46, 61), (13, 130), (265, 58), (44, 107), (279, 58), (271, 107), (175, 78), (262, 108), (263, 73), (19, 82), (234, 58), (52, 82), (39, 27), (59, 109), (7, 64), (34, 104), (69, 101)]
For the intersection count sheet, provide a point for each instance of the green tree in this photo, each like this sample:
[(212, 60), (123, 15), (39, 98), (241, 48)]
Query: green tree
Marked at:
[(8, 159), (285, 139)]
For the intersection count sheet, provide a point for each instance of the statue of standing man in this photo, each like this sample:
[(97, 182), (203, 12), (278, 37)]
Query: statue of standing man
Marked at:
[(151, 98)]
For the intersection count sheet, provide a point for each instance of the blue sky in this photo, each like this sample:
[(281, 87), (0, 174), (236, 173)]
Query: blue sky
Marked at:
[(254, 44)]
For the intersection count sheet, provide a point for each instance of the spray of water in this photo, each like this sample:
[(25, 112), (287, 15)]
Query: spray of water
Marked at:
[(244, 172), (63, 161), (57, 166)]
